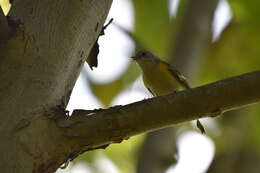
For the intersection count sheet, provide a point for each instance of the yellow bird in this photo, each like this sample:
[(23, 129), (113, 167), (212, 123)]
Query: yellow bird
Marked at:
[(159, 77)]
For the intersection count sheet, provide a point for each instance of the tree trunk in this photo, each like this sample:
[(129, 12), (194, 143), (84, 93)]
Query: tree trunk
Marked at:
[(42, 53)]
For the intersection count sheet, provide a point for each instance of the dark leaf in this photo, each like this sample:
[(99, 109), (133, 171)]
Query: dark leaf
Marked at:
[(92, 57)]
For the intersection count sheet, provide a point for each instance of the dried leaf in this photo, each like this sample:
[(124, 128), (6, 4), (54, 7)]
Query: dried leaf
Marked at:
[(92, 57)]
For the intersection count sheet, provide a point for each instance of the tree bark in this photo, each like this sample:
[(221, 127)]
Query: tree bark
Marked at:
[(92, 129), (239, 160), (47, 43), (3, 28)]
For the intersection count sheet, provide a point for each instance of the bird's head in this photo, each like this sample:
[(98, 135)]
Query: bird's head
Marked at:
[(143, 56), (145, 59)]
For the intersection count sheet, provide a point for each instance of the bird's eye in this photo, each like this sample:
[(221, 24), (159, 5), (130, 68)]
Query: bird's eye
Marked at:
[(143, 54)]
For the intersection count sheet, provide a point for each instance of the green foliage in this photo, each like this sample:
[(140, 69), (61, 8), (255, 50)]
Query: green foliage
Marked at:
[(152, 24), (234, 53), (123, 155)]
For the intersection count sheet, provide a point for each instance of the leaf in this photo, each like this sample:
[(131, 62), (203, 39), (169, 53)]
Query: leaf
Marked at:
[(92, 59)]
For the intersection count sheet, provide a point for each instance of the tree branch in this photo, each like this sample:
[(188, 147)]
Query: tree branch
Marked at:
[(106, 126)]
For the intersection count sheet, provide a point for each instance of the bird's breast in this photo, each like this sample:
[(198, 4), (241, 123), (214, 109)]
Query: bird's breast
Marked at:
[(160, 81)]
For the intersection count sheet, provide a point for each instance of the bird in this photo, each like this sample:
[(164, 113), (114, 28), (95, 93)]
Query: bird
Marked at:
[(159, 77)]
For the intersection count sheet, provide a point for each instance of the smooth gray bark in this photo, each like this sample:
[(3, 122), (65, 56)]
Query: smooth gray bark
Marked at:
[(48, 42)]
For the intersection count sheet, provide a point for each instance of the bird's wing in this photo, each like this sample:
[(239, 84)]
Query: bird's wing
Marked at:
[(178, 76)]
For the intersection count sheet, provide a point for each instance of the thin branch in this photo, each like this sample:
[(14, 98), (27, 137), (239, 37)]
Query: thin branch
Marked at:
[(120, 122)]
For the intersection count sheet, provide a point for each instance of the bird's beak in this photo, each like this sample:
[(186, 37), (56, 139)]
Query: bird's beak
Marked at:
[(135, 57)]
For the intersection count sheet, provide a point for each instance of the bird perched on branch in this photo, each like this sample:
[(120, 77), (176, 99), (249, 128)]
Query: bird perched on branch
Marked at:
[(159, 77)]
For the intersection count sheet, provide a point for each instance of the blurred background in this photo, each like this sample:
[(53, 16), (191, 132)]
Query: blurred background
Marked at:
[(205, 40)]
